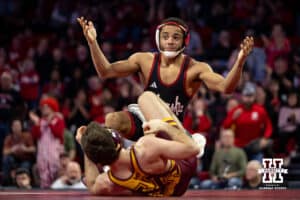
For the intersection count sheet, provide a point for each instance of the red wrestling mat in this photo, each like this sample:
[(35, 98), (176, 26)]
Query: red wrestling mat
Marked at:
[(191, 194)]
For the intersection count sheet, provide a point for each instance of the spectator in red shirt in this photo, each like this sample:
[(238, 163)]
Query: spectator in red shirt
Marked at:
[(29, 83), (95, 97), (251, 124), (197, 120)]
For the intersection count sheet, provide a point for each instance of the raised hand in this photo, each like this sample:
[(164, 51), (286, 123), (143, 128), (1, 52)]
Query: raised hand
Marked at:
[(246, 47), (34, 118), (237, 113), (88, 29)]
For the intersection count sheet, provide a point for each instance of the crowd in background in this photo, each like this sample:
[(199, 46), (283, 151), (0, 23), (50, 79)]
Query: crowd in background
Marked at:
[(49, 86)]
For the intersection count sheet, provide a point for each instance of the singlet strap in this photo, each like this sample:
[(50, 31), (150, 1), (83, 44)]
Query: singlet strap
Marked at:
[(134, 162), (153, 69)]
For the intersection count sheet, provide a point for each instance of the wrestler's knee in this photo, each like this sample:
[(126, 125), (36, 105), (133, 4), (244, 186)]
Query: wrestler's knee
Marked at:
[(113, 120), (146, 96)]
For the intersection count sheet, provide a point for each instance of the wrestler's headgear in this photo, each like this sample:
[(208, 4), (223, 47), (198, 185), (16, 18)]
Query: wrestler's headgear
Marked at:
[(176, 22), (100, 144), (117, 138)]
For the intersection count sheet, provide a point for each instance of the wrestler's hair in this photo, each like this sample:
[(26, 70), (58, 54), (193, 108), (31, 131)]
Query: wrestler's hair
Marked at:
[(176, 20), (98, 144)]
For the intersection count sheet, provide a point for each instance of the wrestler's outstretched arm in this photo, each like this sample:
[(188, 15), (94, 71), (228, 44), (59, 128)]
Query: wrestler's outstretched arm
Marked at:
[(104, 68), (217, 82)]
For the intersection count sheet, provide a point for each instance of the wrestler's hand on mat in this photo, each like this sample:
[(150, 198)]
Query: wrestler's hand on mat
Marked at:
[(246, 47), (153, 126), (88, 29), (80, 131)]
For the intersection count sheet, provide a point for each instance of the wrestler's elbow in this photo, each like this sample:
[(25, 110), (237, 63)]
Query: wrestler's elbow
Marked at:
[(92, 189), (102, 73), (224, 89), (99, 190), (228, 91), (195, 150)]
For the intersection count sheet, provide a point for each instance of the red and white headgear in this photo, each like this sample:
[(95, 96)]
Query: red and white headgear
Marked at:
[(186, 38)]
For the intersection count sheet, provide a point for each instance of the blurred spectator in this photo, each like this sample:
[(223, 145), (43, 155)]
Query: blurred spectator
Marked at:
[(231, 103), (195, 48), (29, 83), (289, 122), (136, 88), (107, 49), (10, 105), (59, 63), (71, 179), (80, 110), (253, 179), (107, 108), (43, 60), (77, 82), (4, 66), (95, 97), (64, 159), (125, 97), (261, 96), (197, 120), (60, 14), (296, 67), (277, 45), (69, 144), (23, 179), (55, 87), (146, 46), (18, 151), (273, 101), (218, 16), (83, 61), (251, 124), (228, 164), (15, 51), (220, 53), (48, 132), (284, 76)]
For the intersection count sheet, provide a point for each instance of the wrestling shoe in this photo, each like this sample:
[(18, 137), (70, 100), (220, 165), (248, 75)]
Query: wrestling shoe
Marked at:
[(134, 108), (201, 141)]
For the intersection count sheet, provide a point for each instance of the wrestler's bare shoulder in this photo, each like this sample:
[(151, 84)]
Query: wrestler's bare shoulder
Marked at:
[(144, 58), (143, 55), (198, 66)]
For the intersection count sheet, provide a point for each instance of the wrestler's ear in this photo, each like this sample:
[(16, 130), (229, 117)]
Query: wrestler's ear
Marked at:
[(118, 147), (80, 131)]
